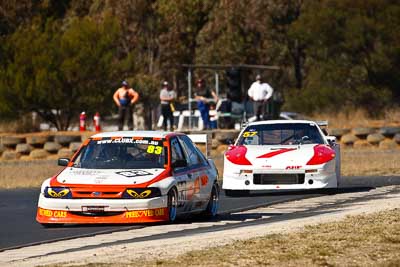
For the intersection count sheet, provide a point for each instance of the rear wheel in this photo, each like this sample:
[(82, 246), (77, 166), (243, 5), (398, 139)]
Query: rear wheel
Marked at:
[(172, 204), (213, 203), (237, 193)]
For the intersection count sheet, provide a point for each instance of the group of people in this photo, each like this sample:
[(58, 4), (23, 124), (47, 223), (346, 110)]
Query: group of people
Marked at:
[(125, 97), (205, 98)]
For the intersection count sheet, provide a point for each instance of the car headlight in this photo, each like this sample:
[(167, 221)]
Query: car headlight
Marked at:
[(57, 192), (141, 193)]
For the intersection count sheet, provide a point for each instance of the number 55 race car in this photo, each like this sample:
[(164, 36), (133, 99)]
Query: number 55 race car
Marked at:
[(281, 154), (131, 177)]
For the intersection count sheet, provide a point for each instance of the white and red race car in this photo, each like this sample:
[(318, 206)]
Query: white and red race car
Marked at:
[(281, 154), (130, 177)]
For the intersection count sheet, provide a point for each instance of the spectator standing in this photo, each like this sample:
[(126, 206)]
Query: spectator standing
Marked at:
[(125, 97), (167, 98), (260, 93), (203, 96)]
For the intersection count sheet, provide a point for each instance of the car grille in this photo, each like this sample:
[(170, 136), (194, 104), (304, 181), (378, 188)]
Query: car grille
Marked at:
[(97, 214), (278, 178), (95, 194)]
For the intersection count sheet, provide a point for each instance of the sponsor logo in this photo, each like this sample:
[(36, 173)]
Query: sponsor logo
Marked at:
[(204, 180), (275, 153), (134, 173), (145, 213), (129, 141), (293, 167), (52, 213)]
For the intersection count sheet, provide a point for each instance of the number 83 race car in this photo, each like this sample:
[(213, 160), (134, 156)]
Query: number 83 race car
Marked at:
[(131, 177), (281, 154)]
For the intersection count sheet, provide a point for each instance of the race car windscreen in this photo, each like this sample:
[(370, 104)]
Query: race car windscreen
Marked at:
[(281, 134), (122, 153)]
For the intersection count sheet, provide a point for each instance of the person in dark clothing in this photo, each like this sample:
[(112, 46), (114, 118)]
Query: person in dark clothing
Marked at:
[(125, 97), (167, 98), (203, 96)]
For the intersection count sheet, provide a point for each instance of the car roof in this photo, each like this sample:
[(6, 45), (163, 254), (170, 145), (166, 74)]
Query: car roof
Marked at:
[(281, 122), (151, 134)]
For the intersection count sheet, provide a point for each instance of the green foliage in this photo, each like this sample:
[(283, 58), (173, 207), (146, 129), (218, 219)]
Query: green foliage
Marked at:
[(60, 72), (59, 57), (352, 54)]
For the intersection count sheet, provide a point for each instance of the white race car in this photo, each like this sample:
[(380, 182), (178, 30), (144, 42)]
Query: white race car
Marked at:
[(281, 154), (130, 177)]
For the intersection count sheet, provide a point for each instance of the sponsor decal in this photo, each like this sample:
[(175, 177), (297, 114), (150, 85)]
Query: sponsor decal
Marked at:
[(275, 153), (84, 172), (93, 208), (121, 140), (134, 173), (145, 213), (53, 213), (293, 167), (204, 180)]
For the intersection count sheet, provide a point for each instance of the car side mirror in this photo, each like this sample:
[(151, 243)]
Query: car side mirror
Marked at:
[(63, 162), (331, 139), (180, 163), (229, 141)]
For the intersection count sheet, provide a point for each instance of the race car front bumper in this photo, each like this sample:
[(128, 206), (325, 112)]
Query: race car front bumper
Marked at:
[(316, 180), (108, 211)]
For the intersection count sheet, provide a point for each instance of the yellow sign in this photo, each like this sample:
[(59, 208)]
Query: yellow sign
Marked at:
[(145, 213), (52, 213)]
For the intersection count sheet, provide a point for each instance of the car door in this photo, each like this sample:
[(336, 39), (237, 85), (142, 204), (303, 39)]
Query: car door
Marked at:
[(180, 174), (197, 175)]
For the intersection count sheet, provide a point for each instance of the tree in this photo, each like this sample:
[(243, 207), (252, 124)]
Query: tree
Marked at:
[(352, 49), (59, 73)]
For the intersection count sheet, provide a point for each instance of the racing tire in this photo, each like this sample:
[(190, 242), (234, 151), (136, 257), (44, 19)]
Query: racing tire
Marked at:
[(213, 204), (172, 204), (237, 193)]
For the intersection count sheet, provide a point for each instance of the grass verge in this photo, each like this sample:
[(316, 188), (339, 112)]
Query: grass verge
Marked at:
[(20, 174), (366, 240), (363, 240), (365, 162)]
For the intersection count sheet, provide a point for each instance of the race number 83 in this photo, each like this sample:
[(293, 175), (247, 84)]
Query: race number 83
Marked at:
[(249, 134), (154, 149)]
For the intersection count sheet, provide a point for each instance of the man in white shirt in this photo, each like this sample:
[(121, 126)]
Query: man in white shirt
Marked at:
[(167, 98), (260, 93)]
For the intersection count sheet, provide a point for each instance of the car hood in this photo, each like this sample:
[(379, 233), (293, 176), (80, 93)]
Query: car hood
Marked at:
[(280, 157), (71, 175)]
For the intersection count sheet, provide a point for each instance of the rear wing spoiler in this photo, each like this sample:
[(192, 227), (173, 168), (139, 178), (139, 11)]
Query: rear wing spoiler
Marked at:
[(322, 123), (202, 139)]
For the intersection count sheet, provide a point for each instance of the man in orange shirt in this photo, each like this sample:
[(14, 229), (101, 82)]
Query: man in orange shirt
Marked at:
[(125, 97)]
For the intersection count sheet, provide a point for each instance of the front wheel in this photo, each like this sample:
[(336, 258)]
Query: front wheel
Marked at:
[(172, 204), (213, 203)]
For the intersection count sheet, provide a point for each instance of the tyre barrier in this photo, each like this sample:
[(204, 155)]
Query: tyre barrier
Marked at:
[(54, 145)]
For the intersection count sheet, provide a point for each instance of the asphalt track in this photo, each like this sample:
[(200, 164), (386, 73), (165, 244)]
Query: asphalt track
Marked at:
[(18, 209)]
